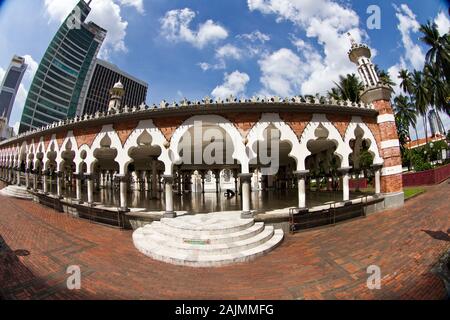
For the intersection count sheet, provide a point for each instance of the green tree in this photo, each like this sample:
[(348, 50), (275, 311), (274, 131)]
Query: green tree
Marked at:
[(421, 97), (439, 52), (348, 88), (405, 115)]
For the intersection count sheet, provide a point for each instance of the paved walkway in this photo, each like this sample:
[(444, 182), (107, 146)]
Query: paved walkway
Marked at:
[(38, 244)]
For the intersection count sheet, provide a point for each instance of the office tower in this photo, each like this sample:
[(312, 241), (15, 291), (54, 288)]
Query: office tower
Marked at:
[(436, 125), (104, 77), (10, 86), (60, 84)]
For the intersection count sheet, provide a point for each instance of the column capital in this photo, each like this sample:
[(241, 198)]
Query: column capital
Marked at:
[(245, 177), (78, 175), (89, 176), (168, 179), (344, 170), (301, 173), (379, 92), (377, 166), (122, 177)]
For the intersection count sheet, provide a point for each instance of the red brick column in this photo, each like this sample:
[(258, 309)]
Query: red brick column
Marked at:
[(391, 173)]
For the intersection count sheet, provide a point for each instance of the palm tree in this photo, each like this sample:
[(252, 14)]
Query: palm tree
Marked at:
[(421, 97), (438, 89), (384, 76), (348, 88), (439, 52), (406, 85), (405, 112)]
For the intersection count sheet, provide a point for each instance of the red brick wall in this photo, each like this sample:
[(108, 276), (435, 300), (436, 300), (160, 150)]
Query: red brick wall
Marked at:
[(297, 122), (86, 135), (340, 122), (393, 183), (124, 130)]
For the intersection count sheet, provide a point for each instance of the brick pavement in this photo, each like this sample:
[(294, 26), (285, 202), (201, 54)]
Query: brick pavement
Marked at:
[(327, 263)]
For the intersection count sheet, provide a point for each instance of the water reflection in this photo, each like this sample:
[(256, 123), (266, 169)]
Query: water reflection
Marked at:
[(261, 201)]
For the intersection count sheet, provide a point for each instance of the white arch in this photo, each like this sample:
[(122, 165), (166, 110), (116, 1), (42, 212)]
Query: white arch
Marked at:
[(121, 158), (239, 147), (69, 138), (309, 134), (158, 140), (286, 134), (350, 134)]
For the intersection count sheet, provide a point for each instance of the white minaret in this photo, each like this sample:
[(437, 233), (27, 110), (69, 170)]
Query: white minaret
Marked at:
[(360, 55), (117, 94)]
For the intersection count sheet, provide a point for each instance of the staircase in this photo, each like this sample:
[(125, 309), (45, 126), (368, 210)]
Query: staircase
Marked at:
[(16, 192), (211, 240)]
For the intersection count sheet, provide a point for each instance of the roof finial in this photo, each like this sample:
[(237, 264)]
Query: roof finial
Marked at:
[(352, 40)]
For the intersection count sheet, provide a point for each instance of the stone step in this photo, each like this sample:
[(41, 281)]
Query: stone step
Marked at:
[(16, 192), (175, 233), (186, 258), (210, 249), (214, 226)]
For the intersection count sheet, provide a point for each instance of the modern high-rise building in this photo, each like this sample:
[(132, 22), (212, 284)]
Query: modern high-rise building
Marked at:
[(60, 84), (104, 77), (10, 86), (436, 124)]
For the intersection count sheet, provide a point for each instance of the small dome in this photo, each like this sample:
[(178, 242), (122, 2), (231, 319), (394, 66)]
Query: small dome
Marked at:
[(118, 85)]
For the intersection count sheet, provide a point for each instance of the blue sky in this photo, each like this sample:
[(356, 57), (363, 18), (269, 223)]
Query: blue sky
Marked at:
[(197, 48)]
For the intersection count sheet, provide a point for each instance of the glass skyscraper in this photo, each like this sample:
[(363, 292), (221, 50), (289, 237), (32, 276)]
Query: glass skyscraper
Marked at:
[(10, 86), (60, 84)]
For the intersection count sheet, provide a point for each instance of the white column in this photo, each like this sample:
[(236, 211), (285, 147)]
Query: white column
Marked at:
[(27, 178), (246, 179), (345, 183), (301, 188), (78, 187), (168, 188), (377, 174), (18, 176), (45, 182), (90, 189), (59, 182), (123, 192), (35, 180), (154, 179)]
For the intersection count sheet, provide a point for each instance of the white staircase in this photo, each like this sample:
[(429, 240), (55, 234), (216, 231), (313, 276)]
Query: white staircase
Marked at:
[(211, 240), (16, 192)]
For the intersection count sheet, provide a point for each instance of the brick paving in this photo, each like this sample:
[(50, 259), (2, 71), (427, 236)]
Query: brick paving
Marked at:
[(327, 263)]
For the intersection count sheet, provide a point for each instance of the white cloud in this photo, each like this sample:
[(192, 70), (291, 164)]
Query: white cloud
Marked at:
[(442, 22), (408, 25), (105, 13), (255, 36), (137, 4), (175, 26), (229, 51), (325, 21), (234, 84), (281, 73)]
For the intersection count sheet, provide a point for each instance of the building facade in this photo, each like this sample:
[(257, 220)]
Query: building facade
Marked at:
[(10, 86), (104, 77), (150, 148), (59, 87), (436, 126)]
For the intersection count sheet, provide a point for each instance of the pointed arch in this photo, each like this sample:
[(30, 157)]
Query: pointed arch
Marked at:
[(342, 150), (350, 134), (287, 134), (239, 153)]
